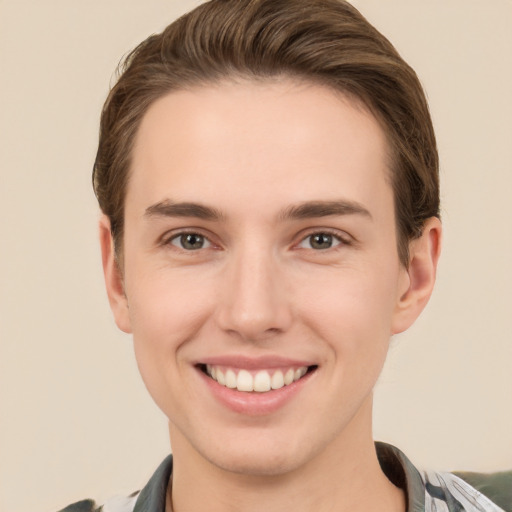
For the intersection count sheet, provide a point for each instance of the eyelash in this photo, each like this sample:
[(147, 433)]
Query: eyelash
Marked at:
[(180, 236), (337, 240)]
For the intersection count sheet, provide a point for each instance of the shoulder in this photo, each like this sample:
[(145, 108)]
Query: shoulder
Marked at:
[(460, 493), (496, 486), (81, 506), (151, 497), (117, 504), (432, 491)]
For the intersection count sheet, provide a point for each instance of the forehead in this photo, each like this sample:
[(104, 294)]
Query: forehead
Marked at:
[(283, 139)]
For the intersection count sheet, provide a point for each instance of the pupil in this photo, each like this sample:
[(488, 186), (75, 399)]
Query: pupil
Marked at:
[(192, 241), (321, 241)]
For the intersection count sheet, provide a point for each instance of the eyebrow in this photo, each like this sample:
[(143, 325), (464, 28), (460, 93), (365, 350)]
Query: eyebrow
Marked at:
[(306, 210), (168, 208), (316, 209)]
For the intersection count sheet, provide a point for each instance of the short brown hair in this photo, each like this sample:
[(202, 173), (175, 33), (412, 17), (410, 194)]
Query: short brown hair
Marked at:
[(322, 41)]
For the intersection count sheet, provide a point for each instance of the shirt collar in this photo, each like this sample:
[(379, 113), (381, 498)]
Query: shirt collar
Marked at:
[(401, 471), (152, 497), (397, 467)]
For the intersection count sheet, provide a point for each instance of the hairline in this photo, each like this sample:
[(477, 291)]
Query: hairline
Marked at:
[(238, 77)]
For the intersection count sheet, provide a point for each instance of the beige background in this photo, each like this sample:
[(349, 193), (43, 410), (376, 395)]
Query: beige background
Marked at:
[(75, 420)]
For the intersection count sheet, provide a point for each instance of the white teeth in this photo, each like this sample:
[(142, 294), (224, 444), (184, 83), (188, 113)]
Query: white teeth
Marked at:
[(244, 381), (277, 380), (288, 378), (211, 370), (262, 382), (219, 377), (231, 380), (300, 372)]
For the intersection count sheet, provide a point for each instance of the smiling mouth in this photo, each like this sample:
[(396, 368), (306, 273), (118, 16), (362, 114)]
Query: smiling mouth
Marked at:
[(260, 381)]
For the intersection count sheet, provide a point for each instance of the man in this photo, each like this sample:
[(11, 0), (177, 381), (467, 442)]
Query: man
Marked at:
[(268, 176)]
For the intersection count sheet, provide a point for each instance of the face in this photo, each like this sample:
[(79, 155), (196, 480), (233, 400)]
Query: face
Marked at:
[(261, 278)]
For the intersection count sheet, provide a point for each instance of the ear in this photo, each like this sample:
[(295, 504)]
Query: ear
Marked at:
[(113, 277), (419, 277)]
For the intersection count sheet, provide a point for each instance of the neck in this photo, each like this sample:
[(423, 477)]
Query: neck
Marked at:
[(345, 476)]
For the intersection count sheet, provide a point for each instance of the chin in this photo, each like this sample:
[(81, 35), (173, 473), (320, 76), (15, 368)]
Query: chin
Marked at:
[(257, 464), (258, 458)]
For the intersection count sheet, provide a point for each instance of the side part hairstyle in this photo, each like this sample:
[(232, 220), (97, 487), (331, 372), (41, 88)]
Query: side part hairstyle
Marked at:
[(326, 42)]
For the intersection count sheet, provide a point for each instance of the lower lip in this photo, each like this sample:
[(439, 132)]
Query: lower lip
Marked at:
[(255, 403)]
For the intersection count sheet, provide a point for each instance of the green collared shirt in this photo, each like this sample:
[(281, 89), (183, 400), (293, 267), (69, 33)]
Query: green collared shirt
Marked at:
[(427, 491)]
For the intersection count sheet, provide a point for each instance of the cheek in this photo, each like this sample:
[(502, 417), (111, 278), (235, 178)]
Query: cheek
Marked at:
[(351, 310), (164, 313), (165, 304)]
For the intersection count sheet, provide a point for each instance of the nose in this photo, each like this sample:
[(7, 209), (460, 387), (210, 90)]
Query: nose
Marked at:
[(254, 303)]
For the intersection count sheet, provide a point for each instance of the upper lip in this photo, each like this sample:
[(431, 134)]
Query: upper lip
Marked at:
[(254, 363)]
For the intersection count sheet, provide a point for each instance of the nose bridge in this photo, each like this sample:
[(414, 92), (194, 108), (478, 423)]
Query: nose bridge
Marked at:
[(254, 302)]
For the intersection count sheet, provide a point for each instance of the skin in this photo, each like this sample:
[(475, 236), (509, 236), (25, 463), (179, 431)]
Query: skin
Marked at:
[(253, 154)]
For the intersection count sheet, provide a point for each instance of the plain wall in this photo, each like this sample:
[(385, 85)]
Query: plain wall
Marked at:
[(75, 419)]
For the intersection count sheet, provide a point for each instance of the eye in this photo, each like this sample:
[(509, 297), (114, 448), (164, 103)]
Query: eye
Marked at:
[(190, 241), (320, 241)]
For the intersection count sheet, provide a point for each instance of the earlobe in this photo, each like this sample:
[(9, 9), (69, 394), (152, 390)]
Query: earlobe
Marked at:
[(113, 277), (420, 276)]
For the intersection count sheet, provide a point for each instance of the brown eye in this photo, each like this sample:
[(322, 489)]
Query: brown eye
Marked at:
[(190, 241)]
